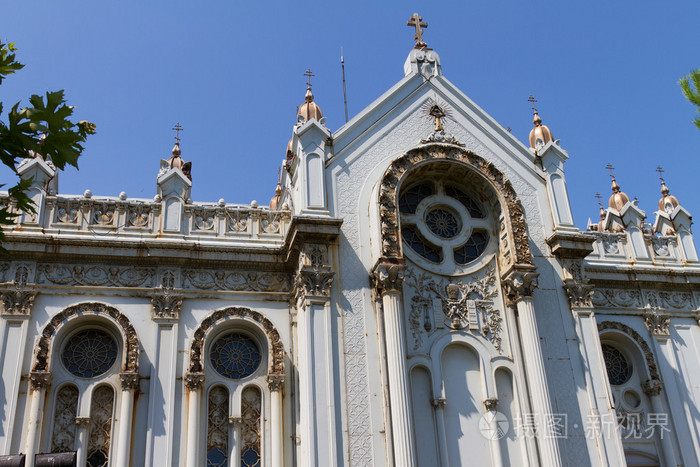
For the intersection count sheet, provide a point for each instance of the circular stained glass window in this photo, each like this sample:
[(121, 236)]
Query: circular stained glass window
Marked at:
[(89, 353), (442, 223), (235, 356), (619, 369)]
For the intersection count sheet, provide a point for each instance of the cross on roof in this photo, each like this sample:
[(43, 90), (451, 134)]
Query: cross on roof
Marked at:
[(610, 168), (308, 75), (417, 22), (532, 100), (598, 197), (661, 173), (178, 128)]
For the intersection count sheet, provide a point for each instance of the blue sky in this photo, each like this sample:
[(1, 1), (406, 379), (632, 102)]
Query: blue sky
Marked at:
[(605, 75)]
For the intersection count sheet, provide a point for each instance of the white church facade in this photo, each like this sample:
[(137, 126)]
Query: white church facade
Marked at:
[(416, 294)]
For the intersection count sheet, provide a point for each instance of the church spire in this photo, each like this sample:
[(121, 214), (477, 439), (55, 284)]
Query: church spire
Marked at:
[(540, 134), (175, 161), (619, 198), (667, 202), (309, 109)]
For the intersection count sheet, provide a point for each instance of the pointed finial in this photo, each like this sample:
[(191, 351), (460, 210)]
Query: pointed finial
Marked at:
[(598, 197), (540, 134), (615, 186), (178, 128), (308, 75), (417, 21), (619, 198)]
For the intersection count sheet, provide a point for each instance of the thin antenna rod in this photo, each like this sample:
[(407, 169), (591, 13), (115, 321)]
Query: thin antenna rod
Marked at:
[(345, 96)]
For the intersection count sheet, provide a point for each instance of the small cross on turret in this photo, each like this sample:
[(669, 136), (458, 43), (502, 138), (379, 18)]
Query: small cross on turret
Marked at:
[(417, 22), (178, 128), (308, 75), (532, 101), (661, 173)]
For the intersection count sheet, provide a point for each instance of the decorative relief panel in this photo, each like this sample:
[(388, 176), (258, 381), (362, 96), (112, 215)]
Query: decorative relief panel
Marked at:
[(643, 299), (235, 281), (664, 247), (459, 305), (95, 275)]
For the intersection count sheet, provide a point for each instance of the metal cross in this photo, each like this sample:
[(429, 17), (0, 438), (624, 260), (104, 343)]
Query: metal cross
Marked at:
[(178, 128), (417, 22), (661, 173), (610, 168), (308, 75), (532, 100), (598, 197)]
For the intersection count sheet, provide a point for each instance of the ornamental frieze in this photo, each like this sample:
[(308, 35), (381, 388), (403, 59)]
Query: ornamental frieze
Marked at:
[(643, 299), (247, 281), (95, 275)]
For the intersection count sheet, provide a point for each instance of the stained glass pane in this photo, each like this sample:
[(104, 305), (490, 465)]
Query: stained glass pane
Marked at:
[(100, 427), (412, 238), (442, 223), (63, 437), (235, 356), (408, 202), (217, 428), (619, 369), (89, 353), (471, 250), (250, 431), (474, 209)]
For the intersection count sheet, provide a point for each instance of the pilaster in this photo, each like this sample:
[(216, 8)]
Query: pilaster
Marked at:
[(387, 282)]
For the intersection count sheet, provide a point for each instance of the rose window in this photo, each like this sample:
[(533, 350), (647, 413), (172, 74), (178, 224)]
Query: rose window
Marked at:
[(89, 353), (442, 224), (235, 356), (619, 369)]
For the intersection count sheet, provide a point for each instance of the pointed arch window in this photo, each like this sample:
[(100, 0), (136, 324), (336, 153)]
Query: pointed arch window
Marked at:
[(66, 408), (100, 426)]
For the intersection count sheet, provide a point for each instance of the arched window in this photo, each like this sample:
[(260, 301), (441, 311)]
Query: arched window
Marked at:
[(235, 366), (446, 222), (641, 428), (85, 366)]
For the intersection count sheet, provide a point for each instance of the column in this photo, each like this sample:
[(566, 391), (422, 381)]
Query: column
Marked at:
[(495, 438), (439, 406), (16, 306), (83, 437), (130, 384), (388, 281), (608, 443), (194, 383), (39, 383), (659, 325), (160, 442), (519, 286), (315, 358), (236, 440), (276, 384)]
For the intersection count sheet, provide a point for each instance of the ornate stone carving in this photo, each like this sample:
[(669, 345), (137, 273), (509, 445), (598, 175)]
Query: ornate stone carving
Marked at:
[(618, 298), (131, 341), (652, 387), (275, 382), (313, 282), (237, 281), (194, 381), (648, 355), (276, 349), (491, 404), (95, 275), (663, 246), (515, 247), (387, 278), (130, 381), (166, 305), (657, 323), (461, 305), (17, 302), (438, 402), (40, 379), (580, 294), (519, 284), (82, 421)]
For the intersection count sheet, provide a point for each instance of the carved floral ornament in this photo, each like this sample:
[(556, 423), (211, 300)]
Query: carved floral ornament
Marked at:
[(194, 379), (514, 245), (131, 342)]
